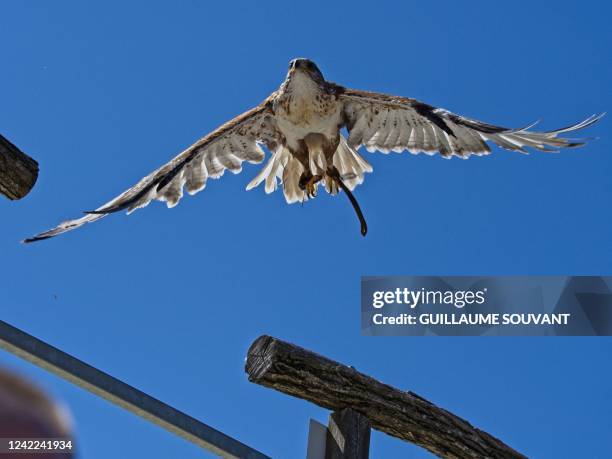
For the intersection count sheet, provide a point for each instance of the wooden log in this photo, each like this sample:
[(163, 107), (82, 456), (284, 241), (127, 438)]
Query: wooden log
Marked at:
[(296, 371), (18, 172), (348, 435)]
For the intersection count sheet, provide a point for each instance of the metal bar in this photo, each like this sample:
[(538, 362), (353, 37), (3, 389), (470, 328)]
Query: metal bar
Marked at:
[(317, 440), (77, 372)]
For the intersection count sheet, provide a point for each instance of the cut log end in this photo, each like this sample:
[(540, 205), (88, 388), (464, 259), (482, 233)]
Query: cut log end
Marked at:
[(18, 172), (260, 358)]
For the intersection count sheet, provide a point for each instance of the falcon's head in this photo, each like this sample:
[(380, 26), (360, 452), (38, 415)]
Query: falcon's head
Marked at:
[(305, 67)]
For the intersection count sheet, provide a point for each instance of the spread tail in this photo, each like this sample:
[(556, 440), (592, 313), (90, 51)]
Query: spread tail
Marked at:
[(282, 168)]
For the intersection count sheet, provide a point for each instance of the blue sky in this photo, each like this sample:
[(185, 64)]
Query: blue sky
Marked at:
[(169, 300)]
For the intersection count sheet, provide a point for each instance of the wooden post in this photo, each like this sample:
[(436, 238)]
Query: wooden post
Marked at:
[(348, 435), (18, 172), (296, 371)]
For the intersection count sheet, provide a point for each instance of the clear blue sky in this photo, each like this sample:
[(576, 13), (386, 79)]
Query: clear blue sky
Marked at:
[(169, 300)]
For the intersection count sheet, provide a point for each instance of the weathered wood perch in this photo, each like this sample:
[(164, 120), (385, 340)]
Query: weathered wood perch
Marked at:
[(296, 371), (18, 172), (348, 435)]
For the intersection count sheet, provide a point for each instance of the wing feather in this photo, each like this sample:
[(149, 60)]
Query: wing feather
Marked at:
[(390, 123), (225, 148)]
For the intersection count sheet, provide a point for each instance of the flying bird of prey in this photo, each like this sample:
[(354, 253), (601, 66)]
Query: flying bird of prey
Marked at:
[(300, 124)]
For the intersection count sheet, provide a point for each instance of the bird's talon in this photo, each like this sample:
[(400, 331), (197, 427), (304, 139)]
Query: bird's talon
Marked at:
[(310, 187)]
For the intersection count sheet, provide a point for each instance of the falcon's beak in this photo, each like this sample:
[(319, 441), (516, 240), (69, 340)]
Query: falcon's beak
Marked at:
[(297, 64), (292, 69)]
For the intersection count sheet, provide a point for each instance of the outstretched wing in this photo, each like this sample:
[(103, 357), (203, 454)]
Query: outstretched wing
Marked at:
[(389, 123), (226, 148)]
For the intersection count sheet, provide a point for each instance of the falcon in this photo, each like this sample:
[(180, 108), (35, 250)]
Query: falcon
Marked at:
[(302, 124)]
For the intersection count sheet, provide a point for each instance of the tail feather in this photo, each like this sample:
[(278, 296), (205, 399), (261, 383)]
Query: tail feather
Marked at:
[(351, 165), (291, 179), (283, 168)]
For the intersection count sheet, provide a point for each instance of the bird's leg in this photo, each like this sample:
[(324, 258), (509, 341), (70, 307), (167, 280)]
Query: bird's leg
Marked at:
[(335, 175), (308, 182)]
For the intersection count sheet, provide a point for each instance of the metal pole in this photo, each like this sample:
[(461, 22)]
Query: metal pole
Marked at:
[(77, 372)]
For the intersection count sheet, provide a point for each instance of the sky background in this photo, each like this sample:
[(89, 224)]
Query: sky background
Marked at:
[(169, 300)]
